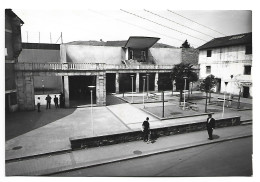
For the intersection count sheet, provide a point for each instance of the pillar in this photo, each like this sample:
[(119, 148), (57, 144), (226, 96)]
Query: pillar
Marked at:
[(66, 91), (101, 89), (25, 91), (117, 83), (137, 82), (156, 82)]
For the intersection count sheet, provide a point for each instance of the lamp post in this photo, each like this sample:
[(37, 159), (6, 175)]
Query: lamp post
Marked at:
[(143, 88), (147, 85), (91, 93), (43, 86), (163, 101), (132, 78), (184, 91), (224, 99)]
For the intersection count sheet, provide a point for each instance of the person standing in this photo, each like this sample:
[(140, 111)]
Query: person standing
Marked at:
[(39, 104), (48, 99), (56, 100), (146, 130), (210, 126)]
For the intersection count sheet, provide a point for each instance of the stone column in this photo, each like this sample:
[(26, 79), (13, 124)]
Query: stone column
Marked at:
[(101, 89), (137, 82), (25, 91), (156, 82), (117, 83), (66, 91)]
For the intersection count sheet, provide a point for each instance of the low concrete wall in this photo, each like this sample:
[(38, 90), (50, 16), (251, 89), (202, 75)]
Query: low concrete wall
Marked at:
[(114, 138)]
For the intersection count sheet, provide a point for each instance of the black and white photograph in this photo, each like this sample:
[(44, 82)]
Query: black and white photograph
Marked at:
[(128, 91)]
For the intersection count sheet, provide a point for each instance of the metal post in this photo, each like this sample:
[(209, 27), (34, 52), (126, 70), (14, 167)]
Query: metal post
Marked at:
[(92, 124), (223, 105), (184, 92), (147, 85), (132, 77), (163, 103), (143, 89), (91, 94)]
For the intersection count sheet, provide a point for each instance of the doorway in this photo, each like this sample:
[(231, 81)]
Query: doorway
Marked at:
[(246, 92)]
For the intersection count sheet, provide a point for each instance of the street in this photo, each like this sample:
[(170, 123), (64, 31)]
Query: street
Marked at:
[(230, 158)]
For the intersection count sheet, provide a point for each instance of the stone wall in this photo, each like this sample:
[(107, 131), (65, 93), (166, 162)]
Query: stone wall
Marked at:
[(114, 138)]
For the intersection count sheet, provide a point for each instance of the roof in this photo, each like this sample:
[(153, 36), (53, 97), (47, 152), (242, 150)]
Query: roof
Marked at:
[(117, 43), (141, 42), (239, 39), (40, 46), (10, 13)]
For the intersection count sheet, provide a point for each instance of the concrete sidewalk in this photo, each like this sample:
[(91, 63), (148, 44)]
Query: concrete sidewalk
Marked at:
[(107, 154)]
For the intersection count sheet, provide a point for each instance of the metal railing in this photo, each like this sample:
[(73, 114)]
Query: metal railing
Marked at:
[(83, 66)]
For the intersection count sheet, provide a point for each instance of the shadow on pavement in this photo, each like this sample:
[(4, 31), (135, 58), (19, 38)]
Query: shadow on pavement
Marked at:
[(215, 136), (18, 123)]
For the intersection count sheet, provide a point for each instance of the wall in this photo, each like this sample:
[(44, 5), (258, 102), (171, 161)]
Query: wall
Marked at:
[(225, 62), (115, 138), (165, 56), (53, 84), (91, 54)]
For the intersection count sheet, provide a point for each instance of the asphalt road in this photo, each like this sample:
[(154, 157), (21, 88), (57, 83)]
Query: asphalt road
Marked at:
[(230, 158)]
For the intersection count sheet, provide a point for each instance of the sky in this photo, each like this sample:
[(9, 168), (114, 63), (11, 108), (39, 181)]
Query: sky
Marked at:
[(45, 26)]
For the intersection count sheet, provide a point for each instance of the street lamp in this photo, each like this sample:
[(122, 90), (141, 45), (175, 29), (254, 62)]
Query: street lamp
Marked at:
[(147, 85), (143, 88), (132, 78), (43, 86), (184, 91), (91, 93)]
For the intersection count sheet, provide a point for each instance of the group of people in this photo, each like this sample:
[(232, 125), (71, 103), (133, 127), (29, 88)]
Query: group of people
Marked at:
[(59, 102), (210, 125)]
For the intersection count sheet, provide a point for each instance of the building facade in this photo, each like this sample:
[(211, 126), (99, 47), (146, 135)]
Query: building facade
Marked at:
[(137, 64), (229, 59), (13, 47)]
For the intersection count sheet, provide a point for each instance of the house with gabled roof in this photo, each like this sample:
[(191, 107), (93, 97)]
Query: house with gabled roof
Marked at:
[(229, 59)]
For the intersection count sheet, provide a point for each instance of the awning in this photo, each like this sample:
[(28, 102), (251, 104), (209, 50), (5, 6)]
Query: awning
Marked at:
[(141, 42)]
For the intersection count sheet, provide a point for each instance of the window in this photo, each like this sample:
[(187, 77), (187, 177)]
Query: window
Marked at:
[(247, 70), (248, 49), (208, 69), (143, 56), (131, 54), (209, 53)]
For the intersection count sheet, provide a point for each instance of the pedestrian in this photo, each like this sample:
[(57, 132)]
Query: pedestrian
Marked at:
[(48, 99), (56, 101), (146, 130), (39, 104), (61, 100), (210, 126)]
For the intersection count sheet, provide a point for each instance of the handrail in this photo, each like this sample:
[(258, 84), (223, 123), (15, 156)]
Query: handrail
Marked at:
[(83, 66)]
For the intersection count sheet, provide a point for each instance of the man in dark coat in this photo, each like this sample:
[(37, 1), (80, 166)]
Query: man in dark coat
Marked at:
[(56, 100), (210, 126), (146, 129), (48, 99)]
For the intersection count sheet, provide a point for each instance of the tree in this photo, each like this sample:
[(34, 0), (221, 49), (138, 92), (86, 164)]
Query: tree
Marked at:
[(185, 44), (207, 86), (178, 74), (239, 86)]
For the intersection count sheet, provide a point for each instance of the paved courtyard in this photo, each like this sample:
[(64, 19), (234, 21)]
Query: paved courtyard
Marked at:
[(49, 131)]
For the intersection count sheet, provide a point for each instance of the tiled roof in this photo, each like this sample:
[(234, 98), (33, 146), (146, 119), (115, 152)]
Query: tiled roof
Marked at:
[(240, 39), (118, 43)]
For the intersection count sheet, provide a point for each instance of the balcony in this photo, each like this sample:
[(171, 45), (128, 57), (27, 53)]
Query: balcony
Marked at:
[(86, 66)]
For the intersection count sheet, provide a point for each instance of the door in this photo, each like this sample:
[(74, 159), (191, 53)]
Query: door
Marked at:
[(245, 92)]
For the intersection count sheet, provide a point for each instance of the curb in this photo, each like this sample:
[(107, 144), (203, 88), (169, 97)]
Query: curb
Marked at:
[(146, 154)]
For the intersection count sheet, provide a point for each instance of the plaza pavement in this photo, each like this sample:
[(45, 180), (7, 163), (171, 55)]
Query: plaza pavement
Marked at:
[(122, 117)]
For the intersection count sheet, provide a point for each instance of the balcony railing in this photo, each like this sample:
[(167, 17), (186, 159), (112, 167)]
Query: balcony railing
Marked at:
[(83, 66)]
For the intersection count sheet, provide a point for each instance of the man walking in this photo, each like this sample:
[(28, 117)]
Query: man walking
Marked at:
[(48, 99), (146, 130), (56, 101), (210, 126)]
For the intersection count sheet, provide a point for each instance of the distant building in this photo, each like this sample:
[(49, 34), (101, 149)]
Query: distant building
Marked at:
[(107, 65), (229, 59), (13, 47)]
